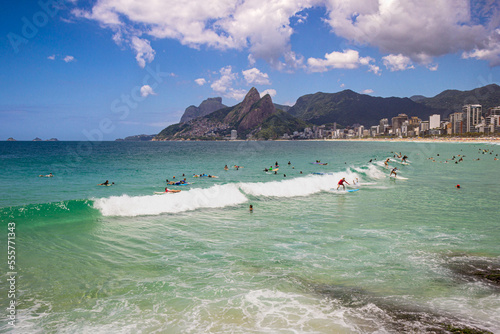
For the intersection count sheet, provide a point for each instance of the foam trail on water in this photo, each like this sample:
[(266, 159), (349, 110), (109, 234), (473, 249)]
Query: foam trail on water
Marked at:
[(218, 196), (301, 186), (372, 171)]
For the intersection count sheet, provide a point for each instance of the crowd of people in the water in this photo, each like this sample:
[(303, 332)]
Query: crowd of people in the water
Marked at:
[(460, 157)]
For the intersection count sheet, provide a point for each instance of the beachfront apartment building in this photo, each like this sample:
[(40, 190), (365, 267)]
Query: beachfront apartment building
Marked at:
[(457, 121), (435, 121), (397, 123), (473, 114)]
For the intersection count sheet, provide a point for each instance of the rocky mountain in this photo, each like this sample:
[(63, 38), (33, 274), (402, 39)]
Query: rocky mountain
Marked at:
[(347, 107), (206, 107), (452, 100), (254, 116)]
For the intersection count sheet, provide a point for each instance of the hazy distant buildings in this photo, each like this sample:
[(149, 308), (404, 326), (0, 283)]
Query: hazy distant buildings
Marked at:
[(234, 134)]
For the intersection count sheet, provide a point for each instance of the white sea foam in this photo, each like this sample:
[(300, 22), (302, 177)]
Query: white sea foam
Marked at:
[(302, 186), (218, 196), (372, 171)]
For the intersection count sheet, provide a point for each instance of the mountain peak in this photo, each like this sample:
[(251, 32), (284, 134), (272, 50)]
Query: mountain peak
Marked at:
[(252, 95), (243, 108), (258, 112)]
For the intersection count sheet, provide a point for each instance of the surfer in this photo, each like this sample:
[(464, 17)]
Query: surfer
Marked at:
[(404, 158), (50, 175), (341, 183), (105, 183), (393, 171), (225, 167), (387, 162), (251, 208)]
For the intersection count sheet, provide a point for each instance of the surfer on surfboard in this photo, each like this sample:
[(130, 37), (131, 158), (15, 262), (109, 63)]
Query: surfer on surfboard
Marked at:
[(341, 183)]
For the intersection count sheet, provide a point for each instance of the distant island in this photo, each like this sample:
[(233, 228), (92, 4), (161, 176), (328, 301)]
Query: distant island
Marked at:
[(137, 138), (36, 139)]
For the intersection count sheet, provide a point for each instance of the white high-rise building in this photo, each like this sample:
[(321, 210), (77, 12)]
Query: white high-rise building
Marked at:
[(234, 134), (435, 121)]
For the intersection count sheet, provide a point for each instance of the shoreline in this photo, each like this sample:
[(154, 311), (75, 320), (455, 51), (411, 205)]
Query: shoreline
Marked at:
[(483, 140)]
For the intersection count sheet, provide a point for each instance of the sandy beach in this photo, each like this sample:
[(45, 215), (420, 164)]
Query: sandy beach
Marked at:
[(481, 140)]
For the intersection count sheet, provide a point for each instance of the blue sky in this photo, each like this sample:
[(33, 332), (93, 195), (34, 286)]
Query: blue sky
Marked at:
[(101, 70)]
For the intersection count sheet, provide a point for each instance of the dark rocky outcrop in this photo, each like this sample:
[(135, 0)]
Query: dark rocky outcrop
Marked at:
[(206, 107), (249, 118)]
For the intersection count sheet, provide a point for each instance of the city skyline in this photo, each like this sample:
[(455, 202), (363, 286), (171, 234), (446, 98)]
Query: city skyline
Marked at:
[(109, 69)]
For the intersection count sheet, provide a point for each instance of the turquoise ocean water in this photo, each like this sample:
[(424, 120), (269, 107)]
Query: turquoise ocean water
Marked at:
[(399, 255)]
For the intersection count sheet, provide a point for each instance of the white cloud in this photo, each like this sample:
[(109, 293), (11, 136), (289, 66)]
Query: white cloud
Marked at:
[(251, 60), (490, 53), (224, 85), (433, 67), (225, 81), (69, 59), (349, 59), (367, 91), (254, 76), (261, 27), (271, 92), (397, 62), (374, 68), (144, 51), (51, 57), (417, 29), (147, 90), (200, 81), (236, 94)]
